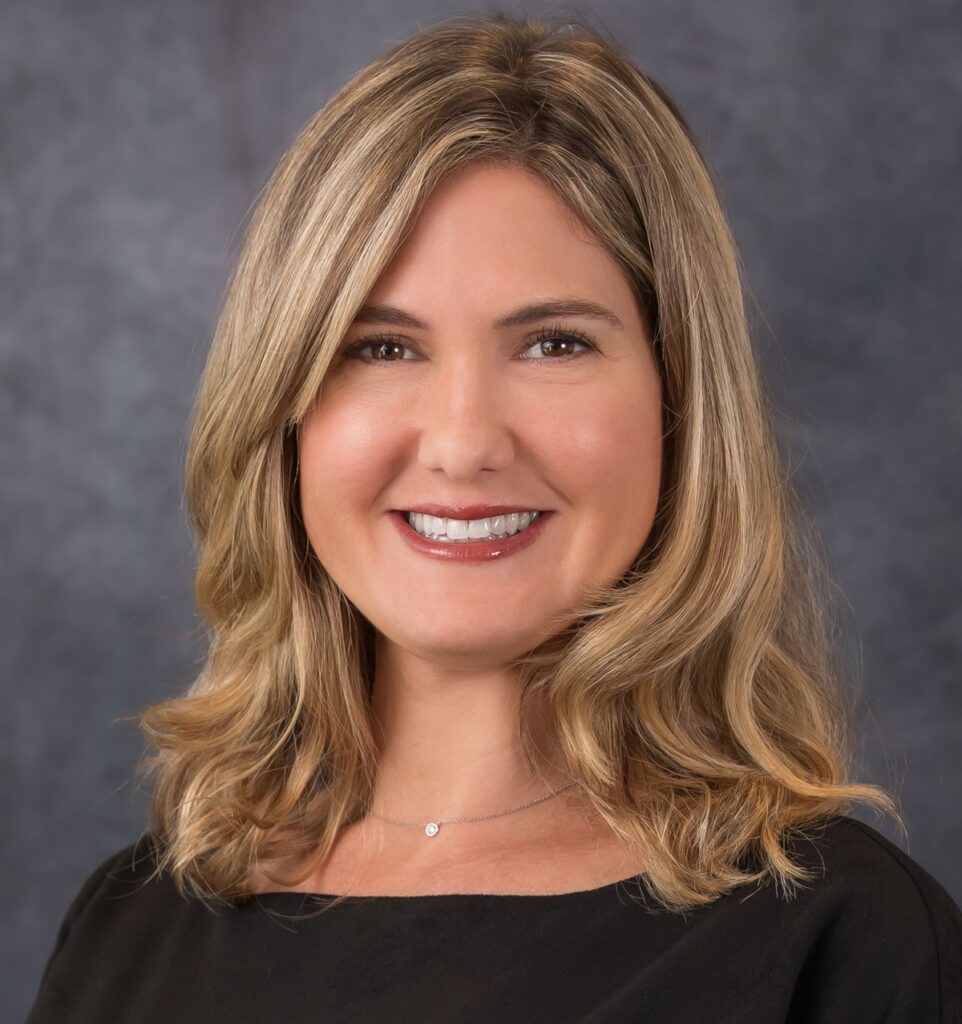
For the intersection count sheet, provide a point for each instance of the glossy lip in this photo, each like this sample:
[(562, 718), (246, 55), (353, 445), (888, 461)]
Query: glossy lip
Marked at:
[(472, 551), (469, 511)]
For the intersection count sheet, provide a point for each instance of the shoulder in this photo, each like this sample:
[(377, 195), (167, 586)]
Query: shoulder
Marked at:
[(131, 864), (854, 863), (876, 923), (123, 872), (127, 925), (125, 890)]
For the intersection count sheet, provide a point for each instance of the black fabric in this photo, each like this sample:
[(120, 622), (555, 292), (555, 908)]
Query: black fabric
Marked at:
[(875, 938)]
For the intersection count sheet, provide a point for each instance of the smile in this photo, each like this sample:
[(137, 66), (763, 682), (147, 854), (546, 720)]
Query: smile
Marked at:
[(466, 531), (456, 545)]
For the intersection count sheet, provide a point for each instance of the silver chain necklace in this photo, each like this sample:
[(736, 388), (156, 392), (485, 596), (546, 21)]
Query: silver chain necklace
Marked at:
[(431, 828)]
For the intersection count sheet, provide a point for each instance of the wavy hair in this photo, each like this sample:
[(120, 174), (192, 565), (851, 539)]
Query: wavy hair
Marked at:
[(698, 699)]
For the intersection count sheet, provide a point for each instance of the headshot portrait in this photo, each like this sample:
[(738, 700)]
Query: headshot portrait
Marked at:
[(522, 684)]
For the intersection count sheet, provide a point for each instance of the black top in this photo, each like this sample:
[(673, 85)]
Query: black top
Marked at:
[(874, 938)]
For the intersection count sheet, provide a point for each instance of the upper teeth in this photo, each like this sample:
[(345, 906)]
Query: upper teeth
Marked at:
[(470, 529)]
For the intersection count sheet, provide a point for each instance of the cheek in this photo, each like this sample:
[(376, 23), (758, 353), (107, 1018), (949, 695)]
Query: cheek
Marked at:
[(611, 449), (341, 453)]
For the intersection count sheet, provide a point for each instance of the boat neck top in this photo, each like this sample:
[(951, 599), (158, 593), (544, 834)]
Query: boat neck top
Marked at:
[(281, 897), (873, 938)]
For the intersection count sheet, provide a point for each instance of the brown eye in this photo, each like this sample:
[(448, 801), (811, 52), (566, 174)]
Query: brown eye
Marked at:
[(388, 348), (382, 346), (564, 340)]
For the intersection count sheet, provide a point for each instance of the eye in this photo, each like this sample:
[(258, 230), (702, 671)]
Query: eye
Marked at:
[(559, 335), (382, 345)]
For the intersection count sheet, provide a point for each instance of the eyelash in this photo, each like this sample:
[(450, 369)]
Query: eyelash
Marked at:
[(551, 333)]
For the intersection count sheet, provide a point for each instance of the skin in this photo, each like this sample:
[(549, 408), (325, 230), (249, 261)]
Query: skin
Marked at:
[(462, 413)]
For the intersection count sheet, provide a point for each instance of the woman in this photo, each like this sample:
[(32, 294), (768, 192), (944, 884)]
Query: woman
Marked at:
[(519, 704)]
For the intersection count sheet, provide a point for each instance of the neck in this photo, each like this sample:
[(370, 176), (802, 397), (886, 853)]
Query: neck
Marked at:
[(450, 743)]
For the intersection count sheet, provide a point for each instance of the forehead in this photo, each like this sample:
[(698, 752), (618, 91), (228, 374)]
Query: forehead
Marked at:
[(496, 239)]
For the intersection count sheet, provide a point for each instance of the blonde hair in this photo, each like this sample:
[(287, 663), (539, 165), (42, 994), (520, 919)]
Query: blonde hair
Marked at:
[(697, 700)]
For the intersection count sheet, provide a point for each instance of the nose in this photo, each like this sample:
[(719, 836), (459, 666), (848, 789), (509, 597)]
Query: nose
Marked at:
[(465, 416)]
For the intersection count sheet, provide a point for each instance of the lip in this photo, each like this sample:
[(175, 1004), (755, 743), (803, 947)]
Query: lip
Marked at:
[(468, 511), (471, 551)]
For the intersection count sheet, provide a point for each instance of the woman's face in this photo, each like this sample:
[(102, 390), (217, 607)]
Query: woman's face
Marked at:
[(459, 411)]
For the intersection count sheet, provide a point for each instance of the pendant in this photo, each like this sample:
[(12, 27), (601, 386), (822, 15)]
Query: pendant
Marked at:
[(432, 828)]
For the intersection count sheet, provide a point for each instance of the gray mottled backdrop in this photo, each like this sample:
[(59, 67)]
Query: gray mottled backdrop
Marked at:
[(134, 136)]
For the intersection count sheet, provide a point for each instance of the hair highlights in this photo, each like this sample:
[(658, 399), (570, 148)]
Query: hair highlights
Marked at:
[(697, 700)]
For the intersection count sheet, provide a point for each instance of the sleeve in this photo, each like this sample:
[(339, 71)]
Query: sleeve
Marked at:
[(48, 1004), (944, 948), (890, 951)]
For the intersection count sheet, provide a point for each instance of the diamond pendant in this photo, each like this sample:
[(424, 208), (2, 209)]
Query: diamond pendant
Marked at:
[(432, 828)]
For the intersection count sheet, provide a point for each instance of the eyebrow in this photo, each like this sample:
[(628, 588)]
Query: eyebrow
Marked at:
[(376, 313)]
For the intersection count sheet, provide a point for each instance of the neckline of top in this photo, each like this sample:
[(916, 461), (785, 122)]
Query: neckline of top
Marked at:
[(283, 895)]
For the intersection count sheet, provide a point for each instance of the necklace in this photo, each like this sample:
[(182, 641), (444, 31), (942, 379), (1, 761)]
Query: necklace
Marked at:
[(431, 828)]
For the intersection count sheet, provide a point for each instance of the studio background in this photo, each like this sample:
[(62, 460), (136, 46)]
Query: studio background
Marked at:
[(134, 139)]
